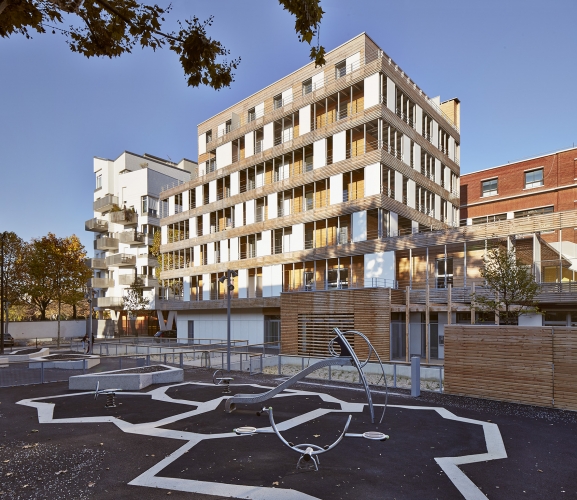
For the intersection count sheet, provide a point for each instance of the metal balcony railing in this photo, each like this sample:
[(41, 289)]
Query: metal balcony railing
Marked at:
[(124, 217), (101, 283), (96, 225), (105, 203), (96, 263), (132, 238), (106, 243), (121, 259)]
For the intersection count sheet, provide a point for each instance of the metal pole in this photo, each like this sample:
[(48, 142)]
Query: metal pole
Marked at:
[(228, 320), (90, 346), (2, 294)]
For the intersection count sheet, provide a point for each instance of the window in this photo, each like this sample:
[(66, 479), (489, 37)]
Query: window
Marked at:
[(534, 211), (340, 69), (149, 206), (99, 181), (489, 187), (277, 101), (444, 272), (163, 208), (488, 218), (534, 178), (228, 126), (251, 115), (209, 136), (307, 86)]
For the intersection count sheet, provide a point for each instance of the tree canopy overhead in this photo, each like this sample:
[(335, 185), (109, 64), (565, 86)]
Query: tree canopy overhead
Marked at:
[(114, 27)]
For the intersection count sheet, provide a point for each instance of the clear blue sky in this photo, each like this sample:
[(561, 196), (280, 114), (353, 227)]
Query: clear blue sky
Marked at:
[(512, 63)]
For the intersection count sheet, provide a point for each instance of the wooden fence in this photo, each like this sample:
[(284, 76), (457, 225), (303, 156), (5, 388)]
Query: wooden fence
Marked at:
[(529, 365)]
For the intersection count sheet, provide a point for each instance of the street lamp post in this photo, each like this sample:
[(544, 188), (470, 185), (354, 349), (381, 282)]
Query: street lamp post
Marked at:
[(89, 296), (2, 293), (230, 287)]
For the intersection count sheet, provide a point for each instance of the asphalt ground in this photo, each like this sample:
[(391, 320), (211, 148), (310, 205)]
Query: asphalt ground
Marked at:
[(98, 460)]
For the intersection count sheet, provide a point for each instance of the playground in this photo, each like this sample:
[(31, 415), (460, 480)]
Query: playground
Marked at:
[(218, 435)]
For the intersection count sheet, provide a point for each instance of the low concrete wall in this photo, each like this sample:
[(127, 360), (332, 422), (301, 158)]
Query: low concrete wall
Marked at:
[(27, 330)]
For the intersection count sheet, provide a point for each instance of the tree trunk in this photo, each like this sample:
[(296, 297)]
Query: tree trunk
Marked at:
[(58, 338), (74, 311)]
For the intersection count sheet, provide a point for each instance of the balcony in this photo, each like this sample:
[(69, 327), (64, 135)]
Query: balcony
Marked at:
[(124, 217), (132, 238), (101, 283), (106, 243), (110, 302), (105, 203), (96, 263), (144, 280), (96, 225), (121, 260)]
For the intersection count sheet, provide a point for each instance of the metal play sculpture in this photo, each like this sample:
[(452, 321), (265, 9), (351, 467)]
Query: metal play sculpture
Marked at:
[(346, 356), (109, 393), (309, 452)]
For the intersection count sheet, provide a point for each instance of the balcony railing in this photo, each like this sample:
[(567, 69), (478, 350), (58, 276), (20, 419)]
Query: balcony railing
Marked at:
[(96, 225), (132, 238), (110, 302), (124, 217), (106, 243), (143, 279), (105, 203), (96, 263), (121, 259), (101, 283)]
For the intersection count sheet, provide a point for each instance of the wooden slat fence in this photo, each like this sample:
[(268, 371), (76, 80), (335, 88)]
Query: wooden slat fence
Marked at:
[(528, 365)]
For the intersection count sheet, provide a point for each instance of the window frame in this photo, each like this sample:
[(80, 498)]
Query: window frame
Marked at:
[(532, 184), (307, 86), (277, 101), (494, 192)]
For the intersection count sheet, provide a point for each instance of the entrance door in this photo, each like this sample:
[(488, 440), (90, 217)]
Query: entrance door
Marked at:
[(190, 331)]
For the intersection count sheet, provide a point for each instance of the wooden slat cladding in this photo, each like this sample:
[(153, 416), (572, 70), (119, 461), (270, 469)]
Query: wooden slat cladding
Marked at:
[(180, 305), (370, 309), (316, 330), (529, 365)]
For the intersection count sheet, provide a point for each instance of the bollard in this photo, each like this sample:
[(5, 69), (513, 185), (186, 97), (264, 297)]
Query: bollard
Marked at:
[(181, 360), (440, 379), (415, 376), (279, 365), (84, 363), (395, 376), (330, 373), (42, 372)]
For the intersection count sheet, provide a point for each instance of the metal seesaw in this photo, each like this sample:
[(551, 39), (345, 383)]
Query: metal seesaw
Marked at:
[(222, 380), (308, 452), (346, 356), (110, 395)]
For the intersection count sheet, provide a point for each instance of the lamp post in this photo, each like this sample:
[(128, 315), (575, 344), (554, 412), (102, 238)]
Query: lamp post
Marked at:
[(2, 293), (89, 296), (230, 287)]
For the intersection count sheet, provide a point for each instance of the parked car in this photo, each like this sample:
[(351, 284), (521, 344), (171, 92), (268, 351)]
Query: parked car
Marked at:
[(8, 340), (164, 334)]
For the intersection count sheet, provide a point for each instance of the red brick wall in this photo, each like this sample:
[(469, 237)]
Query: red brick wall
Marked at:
[(559, 171)]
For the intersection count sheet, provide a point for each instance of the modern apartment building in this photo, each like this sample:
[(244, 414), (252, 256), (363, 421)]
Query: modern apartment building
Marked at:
[(126, 216), (309, 188)]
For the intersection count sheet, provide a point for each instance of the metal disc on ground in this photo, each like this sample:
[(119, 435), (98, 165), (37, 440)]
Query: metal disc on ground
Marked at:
[(376, 436), (245, 430)]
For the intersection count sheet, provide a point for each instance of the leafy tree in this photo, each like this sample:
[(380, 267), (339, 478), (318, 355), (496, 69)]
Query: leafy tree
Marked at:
[(512, 283), (134, 301), (114, 27), (53, 269), (11, 263)]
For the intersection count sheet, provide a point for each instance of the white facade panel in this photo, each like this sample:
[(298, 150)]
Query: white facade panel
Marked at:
[(372, 179), (212, 191), (164, 235), (223, 250), (339, 146), (198, 196), (268, 136), (238, 215), (201, 144), (399, 186), (298, 238), (287, 96), (171, 205), (336, 189), (205, 288), (221, 129), (205, 224), (418, 119), (353, 62), (192, 227), (438, 167), (266, 281), (452, 147), (417, 156), (242, 282), (210, 253), (224, 155), (391, 95), (318, 80), (372, 90), (435, 134), (196, 255), (275, 285), (359, 226), (319, 153), (273, 205), (259, 110), (186, 288), (249, 206), (305, 120), (447, 175), (234, 183), (233, 252), (406, 150), (393, 224), (411, 193), (263, 245), (437, 207), (381, 268), (249, 144)]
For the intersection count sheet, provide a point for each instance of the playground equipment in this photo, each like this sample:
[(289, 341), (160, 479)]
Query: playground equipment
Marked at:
[(110, 395), (346, 356), (222, 380), (309, 452)]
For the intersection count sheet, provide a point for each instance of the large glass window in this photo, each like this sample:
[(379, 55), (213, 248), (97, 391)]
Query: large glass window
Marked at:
[(489, 187), (307, 86), (534, 178), (444, 272), (534, 211)]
